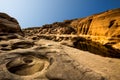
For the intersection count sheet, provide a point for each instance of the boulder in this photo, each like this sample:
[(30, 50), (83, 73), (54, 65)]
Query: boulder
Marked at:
[(9, 25)]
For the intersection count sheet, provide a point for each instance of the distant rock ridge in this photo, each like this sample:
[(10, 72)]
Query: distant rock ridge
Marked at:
[(103, 24), (103, 28)]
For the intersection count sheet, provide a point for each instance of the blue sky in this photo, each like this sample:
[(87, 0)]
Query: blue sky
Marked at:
[(32, 13)]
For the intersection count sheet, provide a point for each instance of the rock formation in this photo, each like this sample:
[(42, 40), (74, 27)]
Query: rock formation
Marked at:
[(9, 25), (42, 60), (30, 57), (103, 28), (102, 24)]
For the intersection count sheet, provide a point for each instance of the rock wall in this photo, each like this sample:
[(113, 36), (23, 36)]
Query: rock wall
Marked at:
[(55, 28), (103, 28), (102, 24)]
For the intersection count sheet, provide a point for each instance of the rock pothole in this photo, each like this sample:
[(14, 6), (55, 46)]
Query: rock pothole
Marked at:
[(27, 65), (22, 44)]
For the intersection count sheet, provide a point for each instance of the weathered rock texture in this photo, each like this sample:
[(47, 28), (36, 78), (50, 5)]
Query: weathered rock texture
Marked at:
[(102, 24), (43, 61), (32, 58), (103, 27), (48, 60), (106, 25), (9, 25), (55, 28)]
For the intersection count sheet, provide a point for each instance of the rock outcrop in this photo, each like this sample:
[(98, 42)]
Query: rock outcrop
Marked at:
[(26, 59), (103, 28), (30, 57), (45, 60), (23, 59), (9, 25), (55, 28), (102, 24)]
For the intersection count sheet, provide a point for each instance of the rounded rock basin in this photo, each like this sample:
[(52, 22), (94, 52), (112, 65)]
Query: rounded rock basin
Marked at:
[(27, 65)]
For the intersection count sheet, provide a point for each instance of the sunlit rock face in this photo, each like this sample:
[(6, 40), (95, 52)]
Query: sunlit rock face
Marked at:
[(103, 28), (102, 24), (9, 25), (46, 60)]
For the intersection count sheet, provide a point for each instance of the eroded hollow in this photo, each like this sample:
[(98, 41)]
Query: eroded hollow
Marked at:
[(27, 65), (27, 60), (22, 44), (96, 48)]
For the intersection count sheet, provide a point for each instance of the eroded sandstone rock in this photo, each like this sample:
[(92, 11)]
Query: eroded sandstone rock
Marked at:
[(43, 61), (102, 24), (9, 25), (103, 28), (32, 58)]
